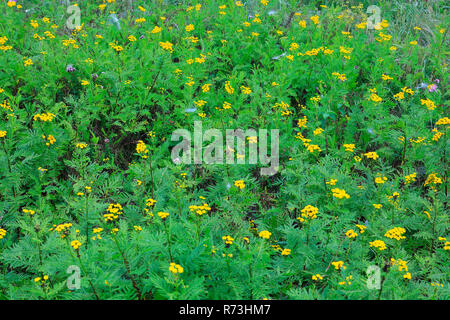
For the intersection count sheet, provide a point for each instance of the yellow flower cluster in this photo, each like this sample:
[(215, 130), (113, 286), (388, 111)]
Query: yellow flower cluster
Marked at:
[(410, 178), (2, 233), (443, 121), (246, 90), (200, 210), (380, 180), (29, 211), (308, 212), (114, 209), (141, 148), (163, 215), (361, 228), (42, 280), (81, 145), (338, 265), (175, 268), (97, 235), (428, 103), (44, 117), (375, 98), (371, 155), (240, 184), (351, 234), (75, 244), (339, 76), (402, 266), (156, 29), (228, 240), (378, 244), (317, 277), (150, 202), (265, 234), (50, 139), (396, 233), (437, 284), (347, 281), (166, 46), (350, 147), (432, 179), (340, 193)]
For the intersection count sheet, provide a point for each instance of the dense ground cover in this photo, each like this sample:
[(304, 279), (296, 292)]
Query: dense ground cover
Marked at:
[(357, 208)]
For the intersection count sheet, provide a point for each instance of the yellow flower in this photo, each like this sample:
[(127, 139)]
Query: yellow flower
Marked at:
[(380, 180), (432, 179), (375, 98), (28, 62), (338, 265), (228, 240), (428, 103), (340, 193), (317, 131), (189, 27), (315, 19), (246, 90), (150, 202), (75, 244), (200, 210), (81, 145), (156, 29), (317, 277), (265, 234), (396, 233), (447, 245), (351, 234), (84, 82), (240, 184), (163, 215), (371, 155), (350, 147), (141, 149), (166, 46), (378, 244), (175, 268), (332, 182), (2, 233), (2, 134), (309, 212)]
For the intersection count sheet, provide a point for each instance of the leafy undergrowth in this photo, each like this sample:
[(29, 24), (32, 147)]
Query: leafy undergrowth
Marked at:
[(357, 208)]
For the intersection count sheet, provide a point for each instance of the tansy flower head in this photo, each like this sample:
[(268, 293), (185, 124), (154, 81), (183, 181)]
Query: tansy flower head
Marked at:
[(175, 268), (265, 234)]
